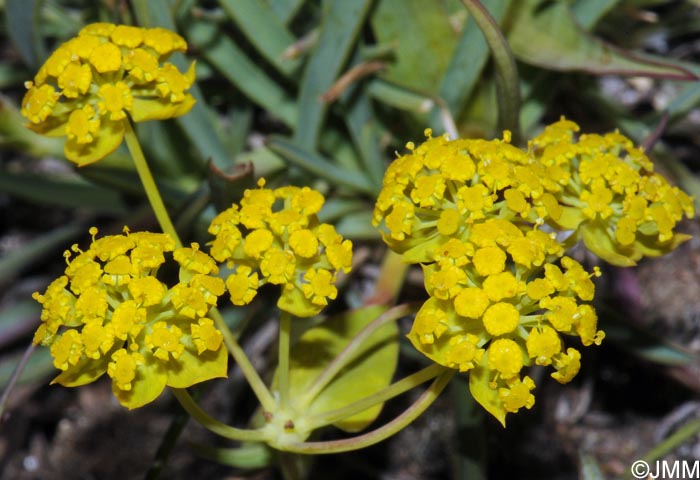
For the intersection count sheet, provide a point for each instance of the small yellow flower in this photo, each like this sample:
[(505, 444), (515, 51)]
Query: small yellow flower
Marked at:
[(489, 223), (505, 357), (90, 84), (430, 322), (110, 314), (610, 193), (274, 237), (517, 394)]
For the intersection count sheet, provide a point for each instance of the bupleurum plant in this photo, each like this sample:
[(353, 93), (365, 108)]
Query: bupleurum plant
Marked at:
[(111, 314), (88, 85), (491, 225)]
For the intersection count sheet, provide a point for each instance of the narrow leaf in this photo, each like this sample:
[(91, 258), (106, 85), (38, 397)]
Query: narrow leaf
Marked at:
[(319, 165), (260, 26), (507, 83), (284, 10), (339, 29), (197, 124), (67, 193), (36, 250), (363, 129), (545, 34), (21, 22), (247, 456), (241, 71), (466, 64), (588, 467), (589, 12), (39, 366)]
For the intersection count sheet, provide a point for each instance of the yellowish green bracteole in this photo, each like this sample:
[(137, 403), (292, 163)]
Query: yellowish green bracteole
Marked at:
[(88, 85), (275, 237), (490, 223), (109, 313)]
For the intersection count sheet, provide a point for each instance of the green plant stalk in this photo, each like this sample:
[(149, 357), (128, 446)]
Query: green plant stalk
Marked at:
[(251, 375), (346, 355), (214, 425), (689, 430), (15, 377), (283, 359), (149, 185), (507, 87), (391, 278), (381, 433), (387, 393)]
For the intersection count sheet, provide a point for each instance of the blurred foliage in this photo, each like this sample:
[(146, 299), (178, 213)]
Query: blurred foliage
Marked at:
[(322, 93)]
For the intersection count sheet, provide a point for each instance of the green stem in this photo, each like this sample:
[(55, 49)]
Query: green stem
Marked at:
[(259, 388), (382, 433), (346, 355), (149, 185), (393, 390), (283, 359), (507, 87), (256, 383), (689, 430), (391, 278), (214, 425)]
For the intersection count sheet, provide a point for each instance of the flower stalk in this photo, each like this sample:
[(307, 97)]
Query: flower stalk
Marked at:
[(149, 184)]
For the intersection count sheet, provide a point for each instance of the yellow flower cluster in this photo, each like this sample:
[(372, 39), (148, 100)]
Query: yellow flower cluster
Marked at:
[(89, 85), (110, 314), (490, 224), (275, 237), (610, 194)]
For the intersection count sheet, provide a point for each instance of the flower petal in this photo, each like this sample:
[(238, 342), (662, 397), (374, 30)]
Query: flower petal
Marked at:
[(85, 371), (106, 141), (193, 368), (159, 109), (149, 383)]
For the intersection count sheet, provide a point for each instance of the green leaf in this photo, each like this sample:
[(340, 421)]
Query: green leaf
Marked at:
[(339, 29), (588, 467), (371, 368), (399, 97), (544, 33), (362, 125), (260, 26), (589, 12), (225, 56), (198, 124), (424, 38), (21, 17), (14, 134), (248, 455), (646, 345), (55, 192), (35, 251), (466, 64), (483, 393), (284, 10), (319, 165), (358, 226), (38, 367)]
